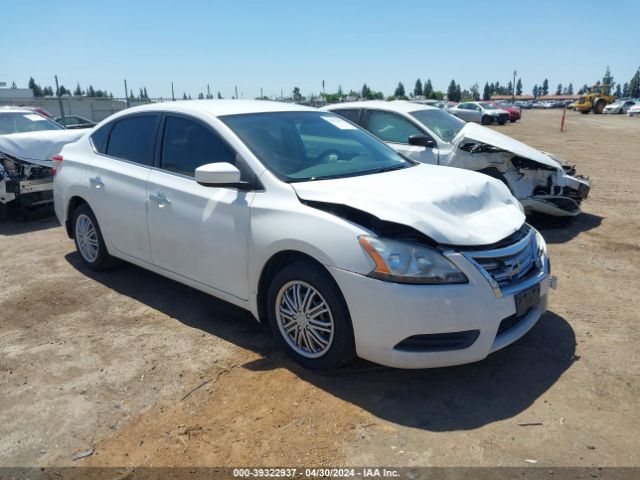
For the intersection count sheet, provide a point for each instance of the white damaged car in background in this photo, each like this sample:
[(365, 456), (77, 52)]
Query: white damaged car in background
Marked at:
[(28, 140), (541, 181)]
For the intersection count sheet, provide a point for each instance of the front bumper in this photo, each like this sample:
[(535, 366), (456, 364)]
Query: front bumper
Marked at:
[(384, 314)]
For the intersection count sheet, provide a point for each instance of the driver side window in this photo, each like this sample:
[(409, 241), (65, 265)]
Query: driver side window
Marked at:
[(187, 145), (390, 127)]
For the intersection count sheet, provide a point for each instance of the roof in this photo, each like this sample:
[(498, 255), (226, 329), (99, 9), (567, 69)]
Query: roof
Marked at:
[(403, 106), (219, 107)]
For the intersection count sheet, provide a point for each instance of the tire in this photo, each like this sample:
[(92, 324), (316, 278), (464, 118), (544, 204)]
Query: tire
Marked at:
[(486, 120), (584, 112), (3, 211), (304, 287), (89, 241), (501, 122), (513, 121), (599, 107)]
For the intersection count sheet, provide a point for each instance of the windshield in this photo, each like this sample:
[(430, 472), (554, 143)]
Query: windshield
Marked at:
[(443, 124), (18, 122), (301, 146), (488, 106)]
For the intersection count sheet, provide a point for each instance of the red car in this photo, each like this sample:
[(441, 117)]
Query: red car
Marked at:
[(514, 112)]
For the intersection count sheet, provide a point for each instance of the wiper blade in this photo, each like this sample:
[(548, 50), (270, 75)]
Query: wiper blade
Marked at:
[(388, 169)]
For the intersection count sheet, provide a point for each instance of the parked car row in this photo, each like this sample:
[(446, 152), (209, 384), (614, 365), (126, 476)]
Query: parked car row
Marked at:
[(344, 229)]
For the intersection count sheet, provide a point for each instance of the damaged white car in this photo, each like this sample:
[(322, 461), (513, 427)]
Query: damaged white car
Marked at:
[(28, 140), (315, 226), (542, 182)]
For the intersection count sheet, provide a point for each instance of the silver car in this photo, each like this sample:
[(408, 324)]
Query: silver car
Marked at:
[(480, 112)]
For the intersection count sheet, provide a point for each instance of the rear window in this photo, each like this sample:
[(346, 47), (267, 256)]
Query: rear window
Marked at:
[(132, 139), (350, 114), (99, 138)]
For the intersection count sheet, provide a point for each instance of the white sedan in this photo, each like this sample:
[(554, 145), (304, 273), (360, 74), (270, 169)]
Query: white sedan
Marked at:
[(542, 182), (633, 111), (620, 106), (313, 225), (480, 112)]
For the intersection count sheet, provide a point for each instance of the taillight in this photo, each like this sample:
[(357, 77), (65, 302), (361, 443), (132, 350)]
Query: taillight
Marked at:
[(57, 160)]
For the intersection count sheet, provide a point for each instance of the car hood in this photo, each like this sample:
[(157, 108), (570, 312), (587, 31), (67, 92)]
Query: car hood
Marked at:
[(37, 147), (477, 133), (450, 205)]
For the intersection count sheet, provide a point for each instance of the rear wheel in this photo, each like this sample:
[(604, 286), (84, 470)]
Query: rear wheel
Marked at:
[(486, 120), (309, 317), (89, 241)]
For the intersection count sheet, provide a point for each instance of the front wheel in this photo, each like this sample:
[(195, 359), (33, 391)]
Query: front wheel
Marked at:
[(89, 241), (486, 120), (310, 318), (501, 122)]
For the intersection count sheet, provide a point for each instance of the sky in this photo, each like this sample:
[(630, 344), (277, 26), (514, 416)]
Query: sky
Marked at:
[(275, 45)]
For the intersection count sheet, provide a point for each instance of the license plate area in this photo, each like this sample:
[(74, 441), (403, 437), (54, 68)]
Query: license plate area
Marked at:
[(527, 299)]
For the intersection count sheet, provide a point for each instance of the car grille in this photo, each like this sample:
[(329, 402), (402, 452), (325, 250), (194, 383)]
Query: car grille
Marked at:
[(510, 265)]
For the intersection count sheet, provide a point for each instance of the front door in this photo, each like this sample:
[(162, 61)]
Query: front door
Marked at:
[(201, 233)]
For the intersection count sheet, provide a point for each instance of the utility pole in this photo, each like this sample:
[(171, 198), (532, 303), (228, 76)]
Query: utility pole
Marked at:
[(126, 93), (208, 92), (236, 92), (59, 99), (173, 96), (513, 94), (261, 94)]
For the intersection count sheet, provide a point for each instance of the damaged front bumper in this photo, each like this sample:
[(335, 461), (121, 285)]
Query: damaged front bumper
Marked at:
[(28, 184)]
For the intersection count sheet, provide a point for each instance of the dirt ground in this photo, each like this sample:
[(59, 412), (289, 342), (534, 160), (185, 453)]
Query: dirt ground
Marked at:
[(148, 372)]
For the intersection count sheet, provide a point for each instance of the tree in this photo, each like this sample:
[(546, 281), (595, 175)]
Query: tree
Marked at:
[(545, 87), (78, 91), (509, 88), (219, 96), (618, 91), (63, 91), (91, 92), (427, 89), (37, 90), (535, 91), (184, 96), (13, 85), (519, 87), (146, 95), (492, 89), (634, 85), (417, 89), (625, 89), (399, 90), (201, 96), (475, 92), (453, 92), (570, 89), (297, 96), (486, 93), (607, 79), (559, 89), (365, 92)]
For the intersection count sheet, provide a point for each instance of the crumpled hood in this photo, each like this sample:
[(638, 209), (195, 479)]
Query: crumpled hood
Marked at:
[(478, 133), (37, 147), (450, 205)]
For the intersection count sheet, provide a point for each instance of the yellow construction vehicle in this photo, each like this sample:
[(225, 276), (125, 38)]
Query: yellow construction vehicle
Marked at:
[(598, 97)]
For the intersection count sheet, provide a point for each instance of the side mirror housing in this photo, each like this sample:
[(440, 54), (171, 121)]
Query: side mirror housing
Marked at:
[(420, 140), (217, 174)]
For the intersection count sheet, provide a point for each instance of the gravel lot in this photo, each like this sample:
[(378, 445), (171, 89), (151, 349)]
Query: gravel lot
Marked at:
[(111, 361)]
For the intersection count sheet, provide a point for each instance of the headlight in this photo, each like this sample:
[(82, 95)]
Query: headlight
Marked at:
[(402, 262), (541, 247)]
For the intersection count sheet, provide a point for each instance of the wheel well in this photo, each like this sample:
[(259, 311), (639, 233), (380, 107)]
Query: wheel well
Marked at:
[(74, 203), (273, 266)]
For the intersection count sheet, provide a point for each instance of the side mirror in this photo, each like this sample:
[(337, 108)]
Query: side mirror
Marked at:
[(420, 140), (217, 174)]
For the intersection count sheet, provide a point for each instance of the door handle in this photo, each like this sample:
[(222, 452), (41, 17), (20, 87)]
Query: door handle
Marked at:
[(160, 199), (97, 181)]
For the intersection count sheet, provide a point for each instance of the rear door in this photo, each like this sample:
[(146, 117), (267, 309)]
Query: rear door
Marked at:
[(118, 182), (198, 232), (395, 130)]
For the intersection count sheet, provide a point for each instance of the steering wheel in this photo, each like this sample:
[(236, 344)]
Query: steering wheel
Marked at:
[(326, 154)]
